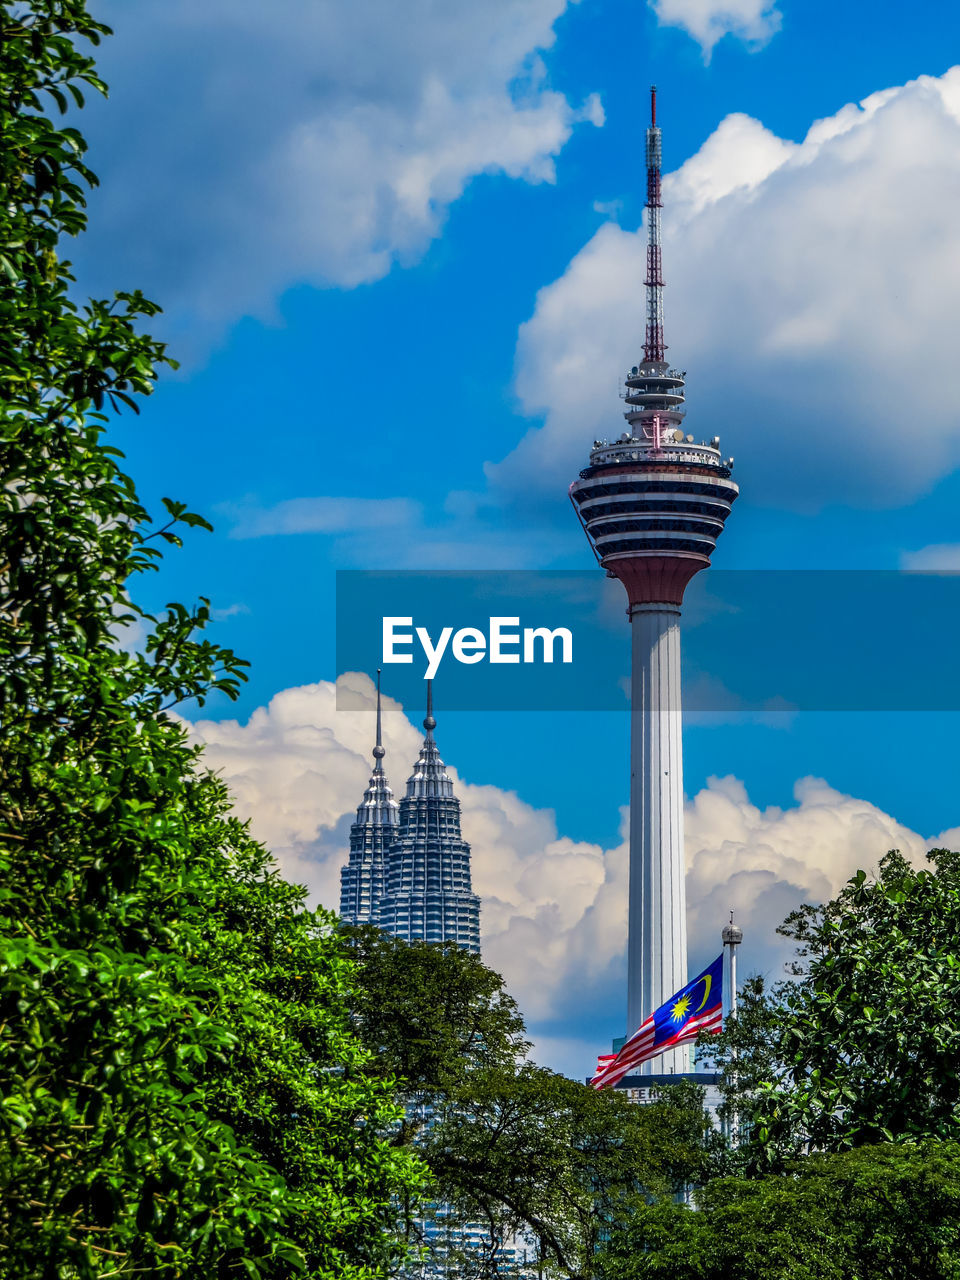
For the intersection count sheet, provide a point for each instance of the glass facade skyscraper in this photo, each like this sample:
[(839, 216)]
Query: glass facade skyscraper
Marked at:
[(409, 868), (371, 836)]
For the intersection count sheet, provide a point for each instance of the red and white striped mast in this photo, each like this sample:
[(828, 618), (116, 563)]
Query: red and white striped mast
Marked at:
[(655, 392), (654, 346)]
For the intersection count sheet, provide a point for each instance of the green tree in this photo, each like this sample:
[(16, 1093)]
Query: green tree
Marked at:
[(746, 1054), (864, 1214), (182, 1094), (862, 1046), (509, 1145), (533, 1152)]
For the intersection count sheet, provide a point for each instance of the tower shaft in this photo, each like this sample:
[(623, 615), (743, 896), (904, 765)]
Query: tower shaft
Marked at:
[(657, 931)]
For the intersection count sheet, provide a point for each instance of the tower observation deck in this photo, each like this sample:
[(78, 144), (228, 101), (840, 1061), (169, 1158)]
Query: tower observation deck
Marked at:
[(653, 503)]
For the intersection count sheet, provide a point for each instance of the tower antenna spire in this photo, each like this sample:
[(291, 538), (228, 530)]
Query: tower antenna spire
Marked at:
[(655, 392), (653, 345)]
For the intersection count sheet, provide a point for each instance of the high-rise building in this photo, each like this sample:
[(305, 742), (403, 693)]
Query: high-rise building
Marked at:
[(409, 873), (371, 836), (409, 865), (427, 892), (653, 504)]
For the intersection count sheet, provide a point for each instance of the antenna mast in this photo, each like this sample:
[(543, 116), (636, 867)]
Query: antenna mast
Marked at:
[(653, 347)]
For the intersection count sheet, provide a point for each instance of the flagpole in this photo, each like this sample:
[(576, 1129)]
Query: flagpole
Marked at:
[(732, 936)]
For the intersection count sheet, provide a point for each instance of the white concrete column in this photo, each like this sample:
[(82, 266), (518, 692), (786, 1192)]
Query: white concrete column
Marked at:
[(657, 939)]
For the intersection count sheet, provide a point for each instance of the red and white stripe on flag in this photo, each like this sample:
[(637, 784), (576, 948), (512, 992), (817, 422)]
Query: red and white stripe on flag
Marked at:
[(611, 1068)]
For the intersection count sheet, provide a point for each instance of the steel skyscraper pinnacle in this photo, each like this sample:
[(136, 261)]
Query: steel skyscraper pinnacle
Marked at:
[(409, 867), (375, 830), (653, 504), (427, 892)]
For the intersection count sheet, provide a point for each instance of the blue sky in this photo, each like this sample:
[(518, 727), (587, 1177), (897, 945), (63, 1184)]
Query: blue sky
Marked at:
[(397, 251)]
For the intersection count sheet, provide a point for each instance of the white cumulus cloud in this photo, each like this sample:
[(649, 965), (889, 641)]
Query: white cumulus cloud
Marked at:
[(250, 147), (752, 21), (554, 910), (764, 862), (811, 293)]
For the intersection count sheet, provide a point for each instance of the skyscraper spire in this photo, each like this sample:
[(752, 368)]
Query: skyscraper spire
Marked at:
[(378, 751), (427, 891), (362, 879), (429, 723)]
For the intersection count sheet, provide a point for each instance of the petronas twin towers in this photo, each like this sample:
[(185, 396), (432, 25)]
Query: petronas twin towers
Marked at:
[(409, 866)]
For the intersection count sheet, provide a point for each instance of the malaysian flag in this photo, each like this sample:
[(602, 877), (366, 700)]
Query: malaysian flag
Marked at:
[(696, 1007)]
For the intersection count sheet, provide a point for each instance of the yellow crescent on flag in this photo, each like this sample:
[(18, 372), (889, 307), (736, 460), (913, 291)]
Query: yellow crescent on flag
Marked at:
[(707, 984)]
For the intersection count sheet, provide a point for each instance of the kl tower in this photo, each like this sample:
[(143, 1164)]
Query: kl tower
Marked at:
[(653, 504)]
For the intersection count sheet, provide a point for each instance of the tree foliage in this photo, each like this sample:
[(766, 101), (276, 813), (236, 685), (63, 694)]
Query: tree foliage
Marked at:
[(182, 1092), (512, 1147), (864, 1214), (862, 1045)]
